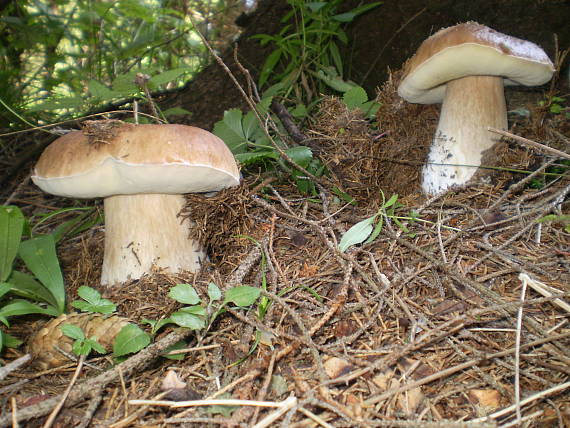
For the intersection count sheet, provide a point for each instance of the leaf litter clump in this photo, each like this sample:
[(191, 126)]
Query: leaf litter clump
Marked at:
[(421, 327)]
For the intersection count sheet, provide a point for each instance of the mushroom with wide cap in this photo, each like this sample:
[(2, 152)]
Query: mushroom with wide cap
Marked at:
[(142, 172), (465, 67)]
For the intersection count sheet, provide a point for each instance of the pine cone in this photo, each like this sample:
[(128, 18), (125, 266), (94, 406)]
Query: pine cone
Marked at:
[(45, 343)]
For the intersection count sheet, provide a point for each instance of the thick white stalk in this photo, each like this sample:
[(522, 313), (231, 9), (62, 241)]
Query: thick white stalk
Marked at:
[(145, 230), (471, 105)]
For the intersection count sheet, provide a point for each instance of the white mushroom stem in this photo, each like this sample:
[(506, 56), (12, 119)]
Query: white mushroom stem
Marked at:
[(471, 105), (145, 230)]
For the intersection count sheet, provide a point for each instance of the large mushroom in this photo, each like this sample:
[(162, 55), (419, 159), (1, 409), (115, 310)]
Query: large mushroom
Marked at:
[(464, 67), (142, 172)]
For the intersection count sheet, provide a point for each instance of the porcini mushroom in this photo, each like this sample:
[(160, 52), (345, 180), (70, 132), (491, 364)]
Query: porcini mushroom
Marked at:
[(142, 172), (464, 67)]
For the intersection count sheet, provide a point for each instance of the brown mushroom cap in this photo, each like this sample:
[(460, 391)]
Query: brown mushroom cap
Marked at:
[(165, 159), (471, 49)]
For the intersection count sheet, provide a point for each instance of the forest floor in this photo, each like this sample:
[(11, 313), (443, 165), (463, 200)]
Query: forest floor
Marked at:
[(453, 316)]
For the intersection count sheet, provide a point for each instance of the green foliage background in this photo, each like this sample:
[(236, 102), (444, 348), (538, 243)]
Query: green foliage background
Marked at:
[(69, 56)]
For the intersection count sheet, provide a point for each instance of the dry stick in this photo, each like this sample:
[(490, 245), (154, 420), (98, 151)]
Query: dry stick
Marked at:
[(459, 367), (64, 396), (543, 289), (136, 362), (518, 355), (474, 285), (14, 365), (286, 405), (530, 143), (264, 388)]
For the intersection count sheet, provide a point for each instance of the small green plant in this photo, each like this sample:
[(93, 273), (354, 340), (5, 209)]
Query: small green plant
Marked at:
[(250, 145), (195, 316), (556, 105), (42, 291), (357, 98), (82, 344), (92, 301), (311, 44)]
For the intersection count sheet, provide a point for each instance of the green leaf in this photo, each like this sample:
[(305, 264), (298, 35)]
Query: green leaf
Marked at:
[(349, 16), (23, 307), (214, 292), (72, 103), (242, 295), (9, 341), (178, 345), (301, 155), (315, 6), (168, 76), (95, 345), (72, 331), (184, 293), (40, 257), (357, 233), (101, 92), (4, 288), (11, 226), (185, 319), (253, 157), (129, 340), (355, 97), (269, 66), (233, 118), (194, 310), (25, 285), (93, 302)]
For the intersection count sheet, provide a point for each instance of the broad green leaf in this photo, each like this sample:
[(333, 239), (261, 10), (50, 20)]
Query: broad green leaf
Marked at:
[(168, 76), (95, 345), (315, 6), (301, 155), (355, 97), (242, 295), (253, 157), (25, 285), (72, 331), (101, 92), (393, 199), (157, 325), (4, 288), (191, 321), (178, 345), (129, 340), (233, 118), (214, 292), (194, 310), (357, 233), (184, 293), (125, 84), (40, 257), (11, 226), (334, 81), (72, 103), (236, 143), (93, 302), (250, 126), (23, 307)]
